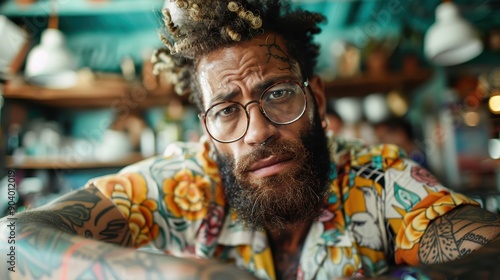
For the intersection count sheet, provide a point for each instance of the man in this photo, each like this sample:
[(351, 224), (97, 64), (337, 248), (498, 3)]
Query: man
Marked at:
[(266, 190)]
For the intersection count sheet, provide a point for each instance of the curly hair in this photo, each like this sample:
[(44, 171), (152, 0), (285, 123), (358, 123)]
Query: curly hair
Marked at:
[(193, 28)]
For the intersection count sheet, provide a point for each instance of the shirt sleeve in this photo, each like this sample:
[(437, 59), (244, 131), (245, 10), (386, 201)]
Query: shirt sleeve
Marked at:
[(166, 198), (413, 198), (134, 197)]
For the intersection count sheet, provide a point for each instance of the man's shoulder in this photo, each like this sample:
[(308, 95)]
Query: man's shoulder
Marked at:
[(177, 156), (355, 152)]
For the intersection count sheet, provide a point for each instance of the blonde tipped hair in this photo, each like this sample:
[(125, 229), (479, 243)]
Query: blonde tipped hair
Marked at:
[(194, 28)]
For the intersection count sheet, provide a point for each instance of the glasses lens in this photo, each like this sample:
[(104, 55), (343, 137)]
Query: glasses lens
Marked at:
[(284, 102), (226, 121)]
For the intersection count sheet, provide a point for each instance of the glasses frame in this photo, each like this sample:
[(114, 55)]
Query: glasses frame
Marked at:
[(302, 86)]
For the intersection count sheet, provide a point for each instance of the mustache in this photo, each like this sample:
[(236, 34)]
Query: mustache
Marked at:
[(288, 148)]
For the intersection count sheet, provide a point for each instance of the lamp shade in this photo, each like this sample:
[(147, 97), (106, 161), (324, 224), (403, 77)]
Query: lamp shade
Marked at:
[(451, 39), (50, 64)]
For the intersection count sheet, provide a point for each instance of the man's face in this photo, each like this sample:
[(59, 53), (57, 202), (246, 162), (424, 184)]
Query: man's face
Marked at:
[(285, 180)]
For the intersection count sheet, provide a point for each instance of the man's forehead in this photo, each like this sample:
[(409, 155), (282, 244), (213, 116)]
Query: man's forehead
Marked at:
[(264, 57), (266, 41), (263, 53)]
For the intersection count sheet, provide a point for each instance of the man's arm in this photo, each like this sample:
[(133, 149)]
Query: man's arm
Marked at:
[(62, 240), (465, 240), (85, 212), (42, 252)]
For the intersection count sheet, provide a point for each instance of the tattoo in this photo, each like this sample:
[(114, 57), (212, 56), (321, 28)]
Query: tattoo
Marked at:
[(458, 234), (62, 241), (84, 212), (286, 259), (51, 254), (114, 228), (287, 264), (279, 54), (475, 238), (480, 264)]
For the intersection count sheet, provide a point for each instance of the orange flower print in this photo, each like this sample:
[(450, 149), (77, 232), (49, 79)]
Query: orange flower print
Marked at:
[(187, 195), (392, 157), (129, 193), (208, 164)]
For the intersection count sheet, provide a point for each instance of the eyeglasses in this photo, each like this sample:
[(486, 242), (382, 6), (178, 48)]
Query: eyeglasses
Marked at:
[(282, 103)]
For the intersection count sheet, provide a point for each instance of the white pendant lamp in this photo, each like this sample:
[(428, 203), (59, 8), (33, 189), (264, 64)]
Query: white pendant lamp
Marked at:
[(451, 39), (50, 64)]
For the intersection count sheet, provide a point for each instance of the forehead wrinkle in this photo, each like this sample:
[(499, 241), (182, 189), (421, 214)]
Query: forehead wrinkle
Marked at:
[(247, 66), (241, 68)]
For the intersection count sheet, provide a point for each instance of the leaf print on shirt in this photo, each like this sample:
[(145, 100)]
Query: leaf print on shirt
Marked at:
[(405, 197), (365, 225), (377, 162)]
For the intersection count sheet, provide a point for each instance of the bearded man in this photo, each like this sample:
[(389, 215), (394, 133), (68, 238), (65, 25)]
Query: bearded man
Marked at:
[(265, 190)]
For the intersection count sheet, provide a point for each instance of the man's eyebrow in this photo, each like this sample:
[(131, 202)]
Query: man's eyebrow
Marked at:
[(257, 90), (269, 82), (222, 97)]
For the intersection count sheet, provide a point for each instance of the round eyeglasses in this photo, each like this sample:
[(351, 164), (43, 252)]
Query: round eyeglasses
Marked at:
[(282, 103)]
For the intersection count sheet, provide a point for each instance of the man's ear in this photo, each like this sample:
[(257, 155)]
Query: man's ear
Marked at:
[(318, 91), (205, 132)]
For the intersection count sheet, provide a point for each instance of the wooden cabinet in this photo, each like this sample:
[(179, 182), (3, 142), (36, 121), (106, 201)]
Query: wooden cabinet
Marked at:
[(129, 19), (365, 84), (111, 93)]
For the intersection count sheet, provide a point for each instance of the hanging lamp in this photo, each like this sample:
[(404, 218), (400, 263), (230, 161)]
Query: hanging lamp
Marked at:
[(451, 39), (50, 64)]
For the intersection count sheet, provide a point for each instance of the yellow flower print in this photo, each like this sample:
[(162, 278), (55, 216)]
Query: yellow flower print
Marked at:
[(129, 193), (261, 261), (345, 257), (212, 171), (392, 157), (209, 165), (187, 195), (434, 205), (336, 254)]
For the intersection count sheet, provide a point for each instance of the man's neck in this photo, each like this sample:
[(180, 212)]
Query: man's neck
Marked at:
[(286, 246), (291, 236)]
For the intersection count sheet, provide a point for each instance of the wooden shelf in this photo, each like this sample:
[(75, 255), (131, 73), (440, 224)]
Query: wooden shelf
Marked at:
[(117, 93), (110, 92), (67, 163), (366, 84)]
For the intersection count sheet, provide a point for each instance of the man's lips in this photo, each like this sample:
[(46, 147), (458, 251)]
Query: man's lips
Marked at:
[(269, 166)]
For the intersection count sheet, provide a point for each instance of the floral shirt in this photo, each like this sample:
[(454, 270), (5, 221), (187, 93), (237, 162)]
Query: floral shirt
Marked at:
[(378, 207)]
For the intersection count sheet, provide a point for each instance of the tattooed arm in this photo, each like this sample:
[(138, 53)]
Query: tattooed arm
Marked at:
[(466, 240), (48, 243), (42, 252), (84, 212)]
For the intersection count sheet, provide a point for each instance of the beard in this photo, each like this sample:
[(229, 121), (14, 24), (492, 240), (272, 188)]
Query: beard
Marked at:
[(294, 196)]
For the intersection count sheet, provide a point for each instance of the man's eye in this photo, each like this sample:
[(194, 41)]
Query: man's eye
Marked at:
[(277, 94), (227, 111), (280, 95)]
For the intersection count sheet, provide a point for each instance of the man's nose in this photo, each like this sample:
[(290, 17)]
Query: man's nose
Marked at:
[(259, 127)]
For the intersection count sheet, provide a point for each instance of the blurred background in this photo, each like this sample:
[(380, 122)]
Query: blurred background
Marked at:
[(79, 100)]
